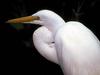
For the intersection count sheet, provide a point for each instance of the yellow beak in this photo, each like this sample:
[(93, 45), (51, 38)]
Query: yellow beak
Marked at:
[(23, 19)]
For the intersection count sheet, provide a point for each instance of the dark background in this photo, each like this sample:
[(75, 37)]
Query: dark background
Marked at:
[(18, 54)]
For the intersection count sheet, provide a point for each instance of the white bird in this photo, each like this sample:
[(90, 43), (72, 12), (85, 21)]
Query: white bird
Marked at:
[(77, 48)]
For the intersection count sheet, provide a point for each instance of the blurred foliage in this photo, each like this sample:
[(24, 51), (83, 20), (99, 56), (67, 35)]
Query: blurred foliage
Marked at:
[(17, 26), (19, 10)]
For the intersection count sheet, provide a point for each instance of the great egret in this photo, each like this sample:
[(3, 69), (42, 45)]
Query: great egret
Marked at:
[(77, 48)]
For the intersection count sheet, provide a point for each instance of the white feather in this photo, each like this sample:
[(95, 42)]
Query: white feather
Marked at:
[(77, 48), (44, 43)]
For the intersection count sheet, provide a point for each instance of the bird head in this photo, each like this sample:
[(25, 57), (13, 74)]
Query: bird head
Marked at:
[(46, 18)]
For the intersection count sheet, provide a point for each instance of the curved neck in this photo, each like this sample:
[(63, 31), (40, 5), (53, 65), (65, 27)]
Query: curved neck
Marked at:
[(55, 25)]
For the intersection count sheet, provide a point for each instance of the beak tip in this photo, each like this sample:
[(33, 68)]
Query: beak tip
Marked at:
[(7, 22)]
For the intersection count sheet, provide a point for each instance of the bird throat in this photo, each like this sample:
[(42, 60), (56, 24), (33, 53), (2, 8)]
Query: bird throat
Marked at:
[(54, 28)]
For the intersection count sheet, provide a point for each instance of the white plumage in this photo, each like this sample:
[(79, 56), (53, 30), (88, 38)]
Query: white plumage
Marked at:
[(44, 43), (76, 49)]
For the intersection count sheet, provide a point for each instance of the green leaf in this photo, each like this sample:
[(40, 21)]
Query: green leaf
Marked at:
[(18, 26)]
